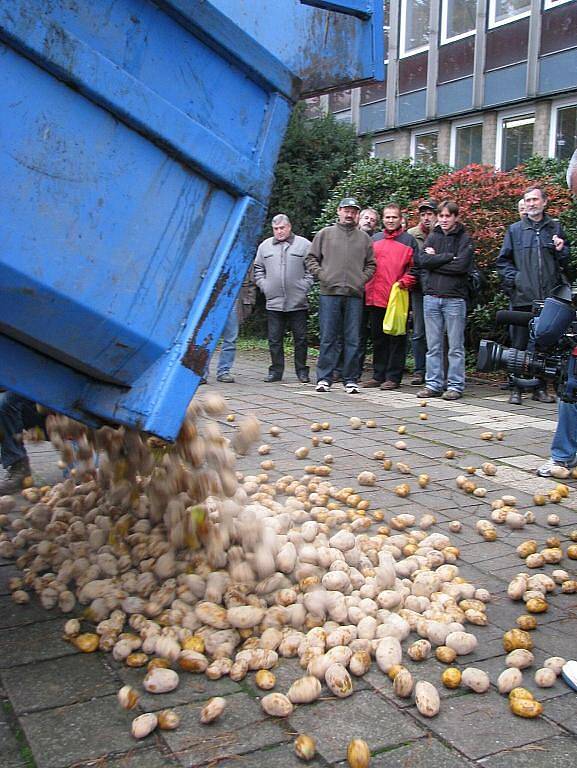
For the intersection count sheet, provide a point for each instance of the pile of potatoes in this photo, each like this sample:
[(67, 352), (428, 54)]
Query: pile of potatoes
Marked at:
[(183, 565)]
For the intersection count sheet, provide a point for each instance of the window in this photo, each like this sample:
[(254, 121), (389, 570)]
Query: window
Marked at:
[(505, 11), (424, 147), (386, 27), (339, 100), (515, 143), (314, 107), (466, 144), (414, 26), (554, 3), (384, 150), (563, 131), (458, 19)]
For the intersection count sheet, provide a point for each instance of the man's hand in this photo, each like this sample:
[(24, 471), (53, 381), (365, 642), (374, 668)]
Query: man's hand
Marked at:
[(558, 242), (430, 251)]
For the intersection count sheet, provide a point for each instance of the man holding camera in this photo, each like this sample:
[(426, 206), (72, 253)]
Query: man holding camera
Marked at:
[(534, 255)]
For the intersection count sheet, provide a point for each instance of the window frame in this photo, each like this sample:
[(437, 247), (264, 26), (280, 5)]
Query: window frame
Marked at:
[(424, 132), (570, 101), (380, 141), (455, 126), (403, 54), (549, 4), (444, 19), (491, 18), (508, 114)]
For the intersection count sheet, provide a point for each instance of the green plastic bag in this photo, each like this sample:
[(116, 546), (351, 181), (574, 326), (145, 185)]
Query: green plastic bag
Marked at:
[(395, 322)]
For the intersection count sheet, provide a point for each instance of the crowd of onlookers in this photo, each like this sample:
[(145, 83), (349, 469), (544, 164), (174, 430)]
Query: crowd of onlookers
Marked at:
[(363, 260), (365, 266)]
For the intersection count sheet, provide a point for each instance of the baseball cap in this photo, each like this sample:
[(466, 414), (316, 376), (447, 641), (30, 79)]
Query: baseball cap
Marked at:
[(349, 202), (428, 204)]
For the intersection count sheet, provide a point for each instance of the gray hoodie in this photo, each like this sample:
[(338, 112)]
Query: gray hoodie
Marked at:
[(281, 274)]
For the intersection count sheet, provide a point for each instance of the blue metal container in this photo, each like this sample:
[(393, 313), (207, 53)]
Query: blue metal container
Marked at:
[(137, 148)]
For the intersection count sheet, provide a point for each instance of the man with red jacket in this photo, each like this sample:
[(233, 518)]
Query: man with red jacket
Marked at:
[(395, 251)]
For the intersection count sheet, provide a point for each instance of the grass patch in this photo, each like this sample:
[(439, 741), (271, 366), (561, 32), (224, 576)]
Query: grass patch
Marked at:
[(23, 748)]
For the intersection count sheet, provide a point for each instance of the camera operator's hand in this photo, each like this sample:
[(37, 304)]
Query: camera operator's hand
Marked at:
[(558, 242), (430, 251)]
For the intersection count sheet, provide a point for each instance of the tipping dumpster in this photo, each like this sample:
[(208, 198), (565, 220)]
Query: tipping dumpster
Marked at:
[(138, 140)]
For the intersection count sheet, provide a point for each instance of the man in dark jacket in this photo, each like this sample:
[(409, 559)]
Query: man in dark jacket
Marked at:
[(341, 258), (395, 251), (280, 273), (531, 263), (427, 221), (446, 260)]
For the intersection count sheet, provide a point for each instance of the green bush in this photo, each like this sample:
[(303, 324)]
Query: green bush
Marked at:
[(377, 182), (315, 156)]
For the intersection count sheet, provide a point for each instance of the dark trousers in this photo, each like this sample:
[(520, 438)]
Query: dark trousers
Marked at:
[(278, 323), (389, 352), (16, 414), (419, 340), (364, 339), (339, 317)]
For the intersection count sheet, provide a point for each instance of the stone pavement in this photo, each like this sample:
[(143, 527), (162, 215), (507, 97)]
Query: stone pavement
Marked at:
[(59, 708)]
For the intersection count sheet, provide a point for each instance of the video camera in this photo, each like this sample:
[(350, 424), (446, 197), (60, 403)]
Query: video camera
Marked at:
[(552, 348)]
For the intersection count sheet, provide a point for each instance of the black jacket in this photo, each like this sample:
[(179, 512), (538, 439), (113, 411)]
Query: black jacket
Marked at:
[(528, 264), (445, 274)]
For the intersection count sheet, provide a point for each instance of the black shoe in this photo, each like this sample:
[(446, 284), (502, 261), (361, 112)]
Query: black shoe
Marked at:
[(515, 397), (417, 380), (16, 474), (202, 381), (303, 378), (541, 396), (272, 377)]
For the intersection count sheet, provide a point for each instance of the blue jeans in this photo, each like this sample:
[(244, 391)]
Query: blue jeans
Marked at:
[(228, 349), (16, 414), (339, 317), (564, 445), (445, 316), (418, 340)]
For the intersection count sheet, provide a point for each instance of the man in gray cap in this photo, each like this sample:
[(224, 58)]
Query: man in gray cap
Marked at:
[(341, 259)]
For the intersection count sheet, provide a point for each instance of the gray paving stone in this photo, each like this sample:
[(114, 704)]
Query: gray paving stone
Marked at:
[(36, 642), (12, 615), (424, 753), (558, 752), (241, 729), (191, 688), (10, 752), (562, 710), (479, 725), (59, 682), (275, 757), (68, 735), (482, 550), (365, 715), (141, 758)]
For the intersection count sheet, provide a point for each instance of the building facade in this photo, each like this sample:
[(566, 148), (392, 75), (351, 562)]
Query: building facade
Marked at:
[(470, 81)]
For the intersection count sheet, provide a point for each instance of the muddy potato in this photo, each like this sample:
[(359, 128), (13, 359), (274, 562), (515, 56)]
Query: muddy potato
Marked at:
[(304, 690), (305, 747), (509, 679), (427, 699), (476, 679), (514, 639), (520, 658), (545, 678), (277, 705), (339, 681), (358, 754), (526, 623), (528, 708), (143, 725), (451, 677), (212, 710), (403, 683)]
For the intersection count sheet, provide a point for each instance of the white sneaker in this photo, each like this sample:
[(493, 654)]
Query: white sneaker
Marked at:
[(323, 386), (351, 388), (557, 469)]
